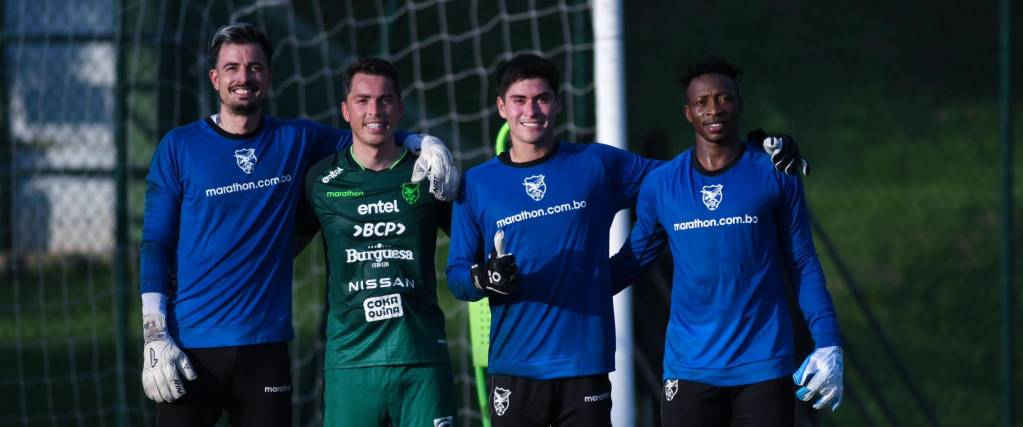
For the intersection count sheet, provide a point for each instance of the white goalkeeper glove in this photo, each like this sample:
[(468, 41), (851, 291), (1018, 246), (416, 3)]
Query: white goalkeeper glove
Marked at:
[(161, 361), (436, 163), (823, 369)]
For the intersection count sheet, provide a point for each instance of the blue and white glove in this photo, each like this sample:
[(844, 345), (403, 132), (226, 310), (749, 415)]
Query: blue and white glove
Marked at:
[(162, 360), (436, 163), (821, 376)]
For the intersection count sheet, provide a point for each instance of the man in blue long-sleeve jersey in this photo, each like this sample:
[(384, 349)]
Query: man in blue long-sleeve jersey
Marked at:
[(543, 211), (734, 225), (218, 243)]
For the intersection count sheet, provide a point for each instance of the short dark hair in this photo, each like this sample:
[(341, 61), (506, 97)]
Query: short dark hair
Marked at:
[(710, 65), (373, 67), (238, 33), (527, 66)]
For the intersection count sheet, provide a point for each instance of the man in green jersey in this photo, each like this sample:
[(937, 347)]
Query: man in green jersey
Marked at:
[(386, 355)]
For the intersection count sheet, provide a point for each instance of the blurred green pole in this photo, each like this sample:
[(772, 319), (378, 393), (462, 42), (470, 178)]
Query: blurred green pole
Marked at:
[(1008, 296), (121, 232)]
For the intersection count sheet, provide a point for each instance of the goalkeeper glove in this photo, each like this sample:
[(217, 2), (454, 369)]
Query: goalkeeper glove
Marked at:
[(823, 369), (434, 162), (500, 275), (783, 150), (161, 361)]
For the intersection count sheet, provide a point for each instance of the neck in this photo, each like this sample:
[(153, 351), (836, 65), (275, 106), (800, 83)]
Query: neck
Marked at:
[(376, 157), (237, 124), (522, 152), (716, 155)]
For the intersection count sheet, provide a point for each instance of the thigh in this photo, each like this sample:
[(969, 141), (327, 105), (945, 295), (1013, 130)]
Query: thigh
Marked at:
[(206, 396), (687, 403), (517, 401), (767, 403), (422, 395), (353, 397), (583, 401), (262, 386)]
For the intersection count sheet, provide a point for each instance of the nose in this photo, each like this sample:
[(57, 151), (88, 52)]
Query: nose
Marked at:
[(713, 107), (534, 108)]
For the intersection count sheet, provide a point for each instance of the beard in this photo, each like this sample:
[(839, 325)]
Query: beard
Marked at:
[(244, 108)]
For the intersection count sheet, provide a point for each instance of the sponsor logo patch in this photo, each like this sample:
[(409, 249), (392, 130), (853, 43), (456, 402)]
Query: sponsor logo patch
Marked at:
[(378, 207), (597, 398), (383, 307), (277, 389), (347, 194), (379, 229), (336, 172)]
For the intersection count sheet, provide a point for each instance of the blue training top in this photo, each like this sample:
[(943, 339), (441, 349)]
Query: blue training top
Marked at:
[(223, 207), (555, 213), (733, 233)]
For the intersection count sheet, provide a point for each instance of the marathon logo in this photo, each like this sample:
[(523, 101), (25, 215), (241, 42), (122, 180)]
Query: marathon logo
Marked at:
[(383, 307), (277, 389), (597, 398)]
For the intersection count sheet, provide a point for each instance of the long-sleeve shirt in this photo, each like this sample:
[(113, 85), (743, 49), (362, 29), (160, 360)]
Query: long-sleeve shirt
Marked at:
[(732, 233), (220, 216), (555, 213)]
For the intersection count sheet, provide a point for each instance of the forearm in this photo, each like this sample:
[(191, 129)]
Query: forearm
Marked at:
[(154, 267), (460, 283)]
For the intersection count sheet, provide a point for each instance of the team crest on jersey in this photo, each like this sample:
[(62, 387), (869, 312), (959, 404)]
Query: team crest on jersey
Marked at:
[(501, 400), (535, 187), (410, 192), (670, 388), (246, 159), (444, 421), (712, 195)]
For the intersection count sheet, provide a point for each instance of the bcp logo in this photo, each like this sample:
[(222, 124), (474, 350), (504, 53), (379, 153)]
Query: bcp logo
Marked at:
[(379, 229)]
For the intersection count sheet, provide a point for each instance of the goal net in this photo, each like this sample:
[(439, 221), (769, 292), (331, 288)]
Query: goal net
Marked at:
[(89, 88)]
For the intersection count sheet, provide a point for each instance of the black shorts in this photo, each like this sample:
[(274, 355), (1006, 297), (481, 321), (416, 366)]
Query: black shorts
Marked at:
[(768, 403), (562, 402), (252, 383)]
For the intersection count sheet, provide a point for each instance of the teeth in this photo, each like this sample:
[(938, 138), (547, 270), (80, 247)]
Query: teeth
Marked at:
[(375, 125)]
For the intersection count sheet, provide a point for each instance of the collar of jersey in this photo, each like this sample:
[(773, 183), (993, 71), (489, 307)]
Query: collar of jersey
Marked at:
[(505, 157), (220, 131), (699, 168), (351, 155)]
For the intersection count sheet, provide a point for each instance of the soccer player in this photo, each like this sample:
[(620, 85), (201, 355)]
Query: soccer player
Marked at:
[(386, 355), (217, 249), (734, 225), (543, 211)]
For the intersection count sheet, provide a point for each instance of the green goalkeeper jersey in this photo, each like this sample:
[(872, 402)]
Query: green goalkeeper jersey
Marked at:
[(380, 236)]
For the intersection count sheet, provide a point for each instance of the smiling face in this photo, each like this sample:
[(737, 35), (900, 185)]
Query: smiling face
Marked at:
[(713, 107), (530, 106), (241, 78), (372, 108)]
